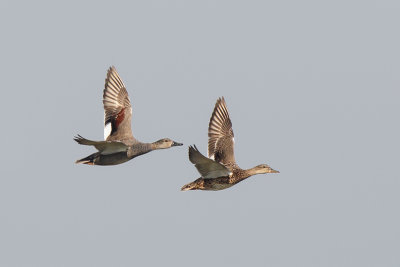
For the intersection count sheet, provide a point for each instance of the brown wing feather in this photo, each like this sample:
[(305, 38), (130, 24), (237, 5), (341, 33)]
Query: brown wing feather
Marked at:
[(117, 108), (220, 135)]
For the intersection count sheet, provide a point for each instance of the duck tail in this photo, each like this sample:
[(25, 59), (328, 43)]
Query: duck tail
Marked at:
[(89, 160)]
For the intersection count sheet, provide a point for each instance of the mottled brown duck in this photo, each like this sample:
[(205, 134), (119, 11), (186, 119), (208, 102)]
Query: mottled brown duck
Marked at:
[(220, 171), (119, 145)]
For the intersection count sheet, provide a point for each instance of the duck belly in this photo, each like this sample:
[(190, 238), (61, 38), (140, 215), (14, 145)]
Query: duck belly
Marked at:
[(112, 159), (216, 184)]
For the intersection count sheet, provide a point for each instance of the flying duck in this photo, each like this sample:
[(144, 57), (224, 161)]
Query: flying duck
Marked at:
[(220, 171), (119, 145)]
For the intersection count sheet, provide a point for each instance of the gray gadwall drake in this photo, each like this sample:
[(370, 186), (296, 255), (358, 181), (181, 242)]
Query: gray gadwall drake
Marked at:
[(119, 145), (220, 171)]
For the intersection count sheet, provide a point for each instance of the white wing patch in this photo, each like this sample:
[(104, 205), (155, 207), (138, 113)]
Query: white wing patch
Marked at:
[(107, 130)]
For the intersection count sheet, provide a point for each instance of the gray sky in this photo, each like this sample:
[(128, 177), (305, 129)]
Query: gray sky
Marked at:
[(312, 88)]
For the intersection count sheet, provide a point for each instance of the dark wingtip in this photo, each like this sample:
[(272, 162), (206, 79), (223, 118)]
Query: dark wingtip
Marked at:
[(220, 99), (78, 138), (191, 150), (111, 68), (192, 147)]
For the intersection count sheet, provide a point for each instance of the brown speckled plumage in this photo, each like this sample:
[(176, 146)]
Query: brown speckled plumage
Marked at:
[(220, 170)]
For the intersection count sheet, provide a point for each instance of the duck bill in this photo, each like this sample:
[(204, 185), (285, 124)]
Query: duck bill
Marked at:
[(176, 144)]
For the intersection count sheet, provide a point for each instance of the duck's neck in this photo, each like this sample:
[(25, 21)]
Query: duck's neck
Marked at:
[(154, 146), (254, 171), (251, 172), (240, 174), (139, 149)]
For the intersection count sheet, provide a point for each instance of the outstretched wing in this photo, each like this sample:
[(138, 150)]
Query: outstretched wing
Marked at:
[(117, 109), (220, 135), (105, 147), (207, 167)]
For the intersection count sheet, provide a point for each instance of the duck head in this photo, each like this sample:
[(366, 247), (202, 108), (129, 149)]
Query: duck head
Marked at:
[(165, 143), (264, 168)]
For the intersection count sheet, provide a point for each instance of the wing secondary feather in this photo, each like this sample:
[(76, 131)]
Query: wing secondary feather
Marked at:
[(208, 168)]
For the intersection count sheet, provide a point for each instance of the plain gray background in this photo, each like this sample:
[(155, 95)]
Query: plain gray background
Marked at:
[(312, 88)]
